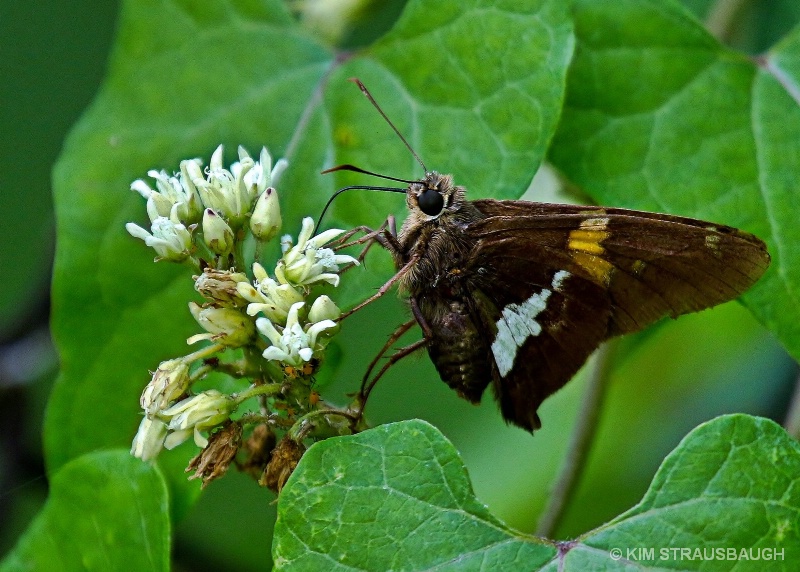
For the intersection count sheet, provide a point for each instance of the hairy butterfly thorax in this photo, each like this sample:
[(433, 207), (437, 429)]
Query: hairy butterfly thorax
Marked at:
[(433, 232)]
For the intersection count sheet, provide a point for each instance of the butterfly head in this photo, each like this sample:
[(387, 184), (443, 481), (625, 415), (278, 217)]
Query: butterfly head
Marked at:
[(429, 198)]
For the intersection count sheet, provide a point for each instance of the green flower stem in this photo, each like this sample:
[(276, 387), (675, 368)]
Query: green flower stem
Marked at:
[(272, 419), (251, 418), (304, 424), (249, 366), (238, 251), (254, 390), (256, 256), (194, 262), (258, 367), (204, 352), (200, 373), (236, 369), (262, 370)]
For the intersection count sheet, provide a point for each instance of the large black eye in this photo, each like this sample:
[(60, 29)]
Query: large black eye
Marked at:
[(430, 202)]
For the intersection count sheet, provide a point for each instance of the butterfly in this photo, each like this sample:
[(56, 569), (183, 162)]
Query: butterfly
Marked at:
[(518, 294)]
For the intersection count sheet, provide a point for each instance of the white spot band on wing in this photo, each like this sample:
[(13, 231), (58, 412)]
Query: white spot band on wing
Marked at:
[(518, 323)]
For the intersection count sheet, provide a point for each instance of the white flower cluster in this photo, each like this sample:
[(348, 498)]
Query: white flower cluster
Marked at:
[(236, 311), (218, 199), (296, 336)]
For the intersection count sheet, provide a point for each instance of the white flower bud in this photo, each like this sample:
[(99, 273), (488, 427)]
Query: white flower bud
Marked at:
[(280, 166), (149, 439), (266, 220), (221, 287), (217, 234), (286, 243), (216, 158), (191, 210), (250, 174), (323, 308), (223, 325), (197, 413), (259, 272), (263, 174), (157, 204), (169, 382)]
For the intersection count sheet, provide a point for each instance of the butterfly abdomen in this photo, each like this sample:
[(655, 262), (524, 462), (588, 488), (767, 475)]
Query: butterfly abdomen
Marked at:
[(458, 350), (457, 347)]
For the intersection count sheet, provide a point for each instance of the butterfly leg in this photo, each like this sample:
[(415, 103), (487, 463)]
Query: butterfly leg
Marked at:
[(369, 236), (385, 235), (396, 335), (423, 323), (366, 388), (385, 288), (366, 383)]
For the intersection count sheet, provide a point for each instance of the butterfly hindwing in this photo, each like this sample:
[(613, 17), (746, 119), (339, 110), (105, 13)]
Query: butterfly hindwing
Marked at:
[(541, 339)]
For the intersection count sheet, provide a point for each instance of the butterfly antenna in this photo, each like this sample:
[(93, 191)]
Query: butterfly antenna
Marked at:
[(349, 167), (374, 103), (361, 187)]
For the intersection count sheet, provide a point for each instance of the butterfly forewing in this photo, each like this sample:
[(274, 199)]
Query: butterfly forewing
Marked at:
[(554, 281), (651, 265)]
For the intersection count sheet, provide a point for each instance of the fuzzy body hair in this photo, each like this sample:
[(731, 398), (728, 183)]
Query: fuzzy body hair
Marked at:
[(438, 283)]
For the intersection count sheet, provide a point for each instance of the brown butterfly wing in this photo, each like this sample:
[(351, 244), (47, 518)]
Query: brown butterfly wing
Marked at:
[(539, 335), (620, 271)]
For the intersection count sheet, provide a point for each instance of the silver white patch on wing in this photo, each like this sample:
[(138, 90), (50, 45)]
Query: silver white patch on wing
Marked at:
[(559, 278), (518, 323)]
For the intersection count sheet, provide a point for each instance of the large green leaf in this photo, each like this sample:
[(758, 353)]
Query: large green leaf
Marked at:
[(475, 87), (106, 511), (187, 76), (659, 116), (398, 498)]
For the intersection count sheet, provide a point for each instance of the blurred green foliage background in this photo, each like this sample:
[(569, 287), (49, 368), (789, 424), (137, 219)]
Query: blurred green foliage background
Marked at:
[(52, 60), (667, 380)]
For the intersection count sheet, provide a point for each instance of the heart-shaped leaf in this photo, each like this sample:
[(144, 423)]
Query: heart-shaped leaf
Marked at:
[(398, 498)]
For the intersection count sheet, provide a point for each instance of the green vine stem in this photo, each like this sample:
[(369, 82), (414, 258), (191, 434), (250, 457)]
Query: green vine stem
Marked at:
[(580, 442), (792, 423)]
